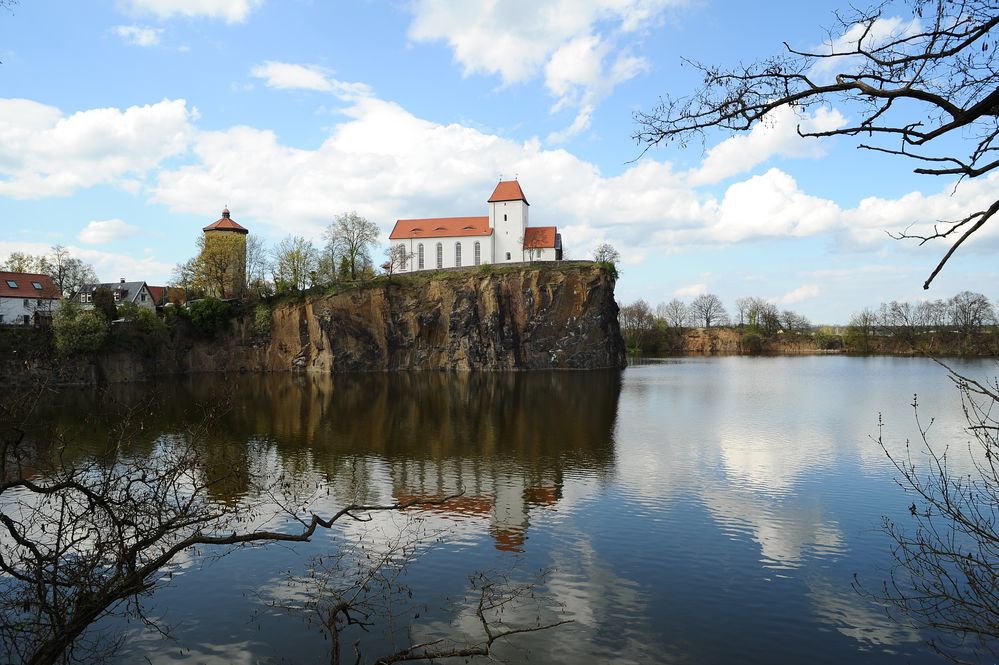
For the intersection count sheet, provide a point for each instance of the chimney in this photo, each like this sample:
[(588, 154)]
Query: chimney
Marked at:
[(122, 280)]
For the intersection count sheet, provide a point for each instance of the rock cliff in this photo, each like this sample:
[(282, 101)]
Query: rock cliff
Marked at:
[(545, 317), (539, 317)]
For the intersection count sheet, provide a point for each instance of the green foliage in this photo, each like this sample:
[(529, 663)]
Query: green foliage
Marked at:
[(262, 319), (104, 303), (827, 341), (610, 268), (78, 331), (752, 342), (208, 315), (486, 269)]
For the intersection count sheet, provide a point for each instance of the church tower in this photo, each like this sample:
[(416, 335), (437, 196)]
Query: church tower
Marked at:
[(223, 257), (508, 219)]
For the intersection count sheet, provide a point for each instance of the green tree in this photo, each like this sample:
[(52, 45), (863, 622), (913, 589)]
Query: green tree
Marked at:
[(78, 331), (295, 264), (351, 237), (105, 304)]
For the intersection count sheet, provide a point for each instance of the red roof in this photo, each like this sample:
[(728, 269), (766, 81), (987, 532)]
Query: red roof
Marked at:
[(24, 285), (158, 293), (441, 227), (539, 237), (225, 224), (508, 190)]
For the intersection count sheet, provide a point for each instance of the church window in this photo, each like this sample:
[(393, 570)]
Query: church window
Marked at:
[(478, 252), (457, 255), (402, 256), (440, 255), (419, 256), (504, 217), (508, 256)]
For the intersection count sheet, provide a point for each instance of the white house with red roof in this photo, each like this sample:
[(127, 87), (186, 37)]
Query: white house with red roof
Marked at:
[(26, 299), (500, 237)]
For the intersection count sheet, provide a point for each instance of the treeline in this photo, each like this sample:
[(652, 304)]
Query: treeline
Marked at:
[(68, 272), (962, 325), (664, 329)]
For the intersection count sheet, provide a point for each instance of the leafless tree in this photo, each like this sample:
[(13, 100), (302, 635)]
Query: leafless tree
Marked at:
[(969, 312), (946, 574), (86, 537), (636, 320), (928, 92), (605, 253), (675, 314), (708, 310)]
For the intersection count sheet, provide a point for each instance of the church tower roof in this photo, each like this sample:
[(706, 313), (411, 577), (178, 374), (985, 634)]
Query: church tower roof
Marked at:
[(225, 224), (508, 190)]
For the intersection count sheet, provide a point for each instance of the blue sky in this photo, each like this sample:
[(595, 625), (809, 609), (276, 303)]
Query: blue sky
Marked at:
[(126, 126)]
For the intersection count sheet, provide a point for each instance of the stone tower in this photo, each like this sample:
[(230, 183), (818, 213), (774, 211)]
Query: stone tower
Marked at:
[(223, 257)]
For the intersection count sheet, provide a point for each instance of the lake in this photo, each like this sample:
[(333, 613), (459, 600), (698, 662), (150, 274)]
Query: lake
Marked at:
[(701, 510)]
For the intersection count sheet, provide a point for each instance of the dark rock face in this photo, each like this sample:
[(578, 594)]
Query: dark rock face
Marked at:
[(535, 318)]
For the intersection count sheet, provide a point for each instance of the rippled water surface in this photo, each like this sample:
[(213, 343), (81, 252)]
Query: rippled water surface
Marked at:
[(698, 510)]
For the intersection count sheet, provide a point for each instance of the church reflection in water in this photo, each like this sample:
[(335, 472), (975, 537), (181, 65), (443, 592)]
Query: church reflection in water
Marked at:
[(506, 440)]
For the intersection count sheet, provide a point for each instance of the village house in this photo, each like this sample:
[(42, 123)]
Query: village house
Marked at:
[(122, 292), (27, 299), (502, 236)]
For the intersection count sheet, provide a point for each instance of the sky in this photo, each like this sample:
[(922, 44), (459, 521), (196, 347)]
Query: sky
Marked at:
[(127, 125)]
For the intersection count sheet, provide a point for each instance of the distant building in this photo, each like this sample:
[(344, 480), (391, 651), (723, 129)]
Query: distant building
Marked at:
[(500, 237), (122, 292), (27, 299), (223, 257)]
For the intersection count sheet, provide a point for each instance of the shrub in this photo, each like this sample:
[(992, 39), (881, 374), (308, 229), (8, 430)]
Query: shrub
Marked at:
[(208, 315), (752, 342), (610, 268), (262, 319), (78, 331)]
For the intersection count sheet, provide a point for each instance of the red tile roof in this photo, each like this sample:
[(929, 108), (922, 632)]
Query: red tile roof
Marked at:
[(539, 237), (508, 190), (158, 293), (225, 224), (441, 227), (25, 285)]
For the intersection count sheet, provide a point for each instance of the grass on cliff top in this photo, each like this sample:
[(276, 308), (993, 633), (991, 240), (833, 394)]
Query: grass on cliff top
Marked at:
[(427, 276)]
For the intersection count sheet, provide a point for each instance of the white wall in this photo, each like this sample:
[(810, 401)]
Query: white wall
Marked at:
[(448, 245), (13, 310)]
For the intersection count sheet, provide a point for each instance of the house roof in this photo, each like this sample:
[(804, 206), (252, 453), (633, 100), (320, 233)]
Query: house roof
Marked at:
[(225, 224), (129, 290), (508, 190), (441, 227), (27, 285), (539, 237), (157, 292)]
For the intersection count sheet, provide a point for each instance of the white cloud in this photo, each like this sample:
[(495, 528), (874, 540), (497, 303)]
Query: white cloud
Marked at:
[(231, 11), (139, 35), (110, 266), (44, 153), (690, 290), (570, 41), (776, 135), (803, 292), (98, 232), (289, 76)]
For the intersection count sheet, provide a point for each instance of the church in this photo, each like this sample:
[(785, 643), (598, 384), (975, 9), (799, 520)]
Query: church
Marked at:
[(500, 237)]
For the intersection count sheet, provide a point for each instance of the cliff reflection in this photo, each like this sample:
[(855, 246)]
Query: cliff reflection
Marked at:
[(506, 439)]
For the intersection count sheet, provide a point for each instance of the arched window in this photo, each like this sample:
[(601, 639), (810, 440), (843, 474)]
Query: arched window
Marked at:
[(419, 256), (402, 256), (457, 255), (508, 256), (478, 252), (440, 255)]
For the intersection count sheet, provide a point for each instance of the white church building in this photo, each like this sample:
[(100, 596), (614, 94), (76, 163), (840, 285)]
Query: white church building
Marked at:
[(502, 236)]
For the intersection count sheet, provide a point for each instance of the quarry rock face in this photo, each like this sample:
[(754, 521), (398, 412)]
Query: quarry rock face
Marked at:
[(533, 318)]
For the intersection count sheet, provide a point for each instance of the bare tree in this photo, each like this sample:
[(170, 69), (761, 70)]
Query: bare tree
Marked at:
[(636, 320), (350, 238), (860, 330), (708, 309), (69, 272), (969, 312), (929, 94), (946, 573), (674, 314), (605, 253), (398, 259)]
